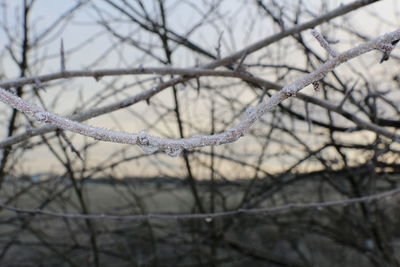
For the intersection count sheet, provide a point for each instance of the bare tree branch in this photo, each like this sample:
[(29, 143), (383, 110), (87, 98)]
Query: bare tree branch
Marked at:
[(173, 147)]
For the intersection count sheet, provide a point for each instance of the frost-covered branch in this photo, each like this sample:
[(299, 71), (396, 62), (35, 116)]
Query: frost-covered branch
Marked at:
[(323, 43), (173, 147), (98, 74)]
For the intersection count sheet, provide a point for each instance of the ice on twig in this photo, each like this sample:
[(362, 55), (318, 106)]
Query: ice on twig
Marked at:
[(148, 149), (173, 151), (144, 143), (143, 138), (41, 116)]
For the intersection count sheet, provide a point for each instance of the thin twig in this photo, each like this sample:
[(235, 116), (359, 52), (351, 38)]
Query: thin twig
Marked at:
[(164, 216), (62, 56), (324, 43)]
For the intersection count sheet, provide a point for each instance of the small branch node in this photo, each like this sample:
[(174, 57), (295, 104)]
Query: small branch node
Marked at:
[(386, 48), (291, 93), (317, 86), (173, 151), (41, 116)]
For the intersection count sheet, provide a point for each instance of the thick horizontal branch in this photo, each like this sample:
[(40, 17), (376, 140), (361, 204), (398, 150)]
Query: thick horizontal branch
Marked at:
[(97, 74)]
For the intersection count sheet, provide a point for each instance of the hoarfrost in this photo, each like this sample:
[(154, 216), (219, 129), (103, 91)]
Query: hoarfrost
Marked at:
[(173, 152), (41, 116), (143, 138), (148, 149), (142, 134), (250, 110)]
